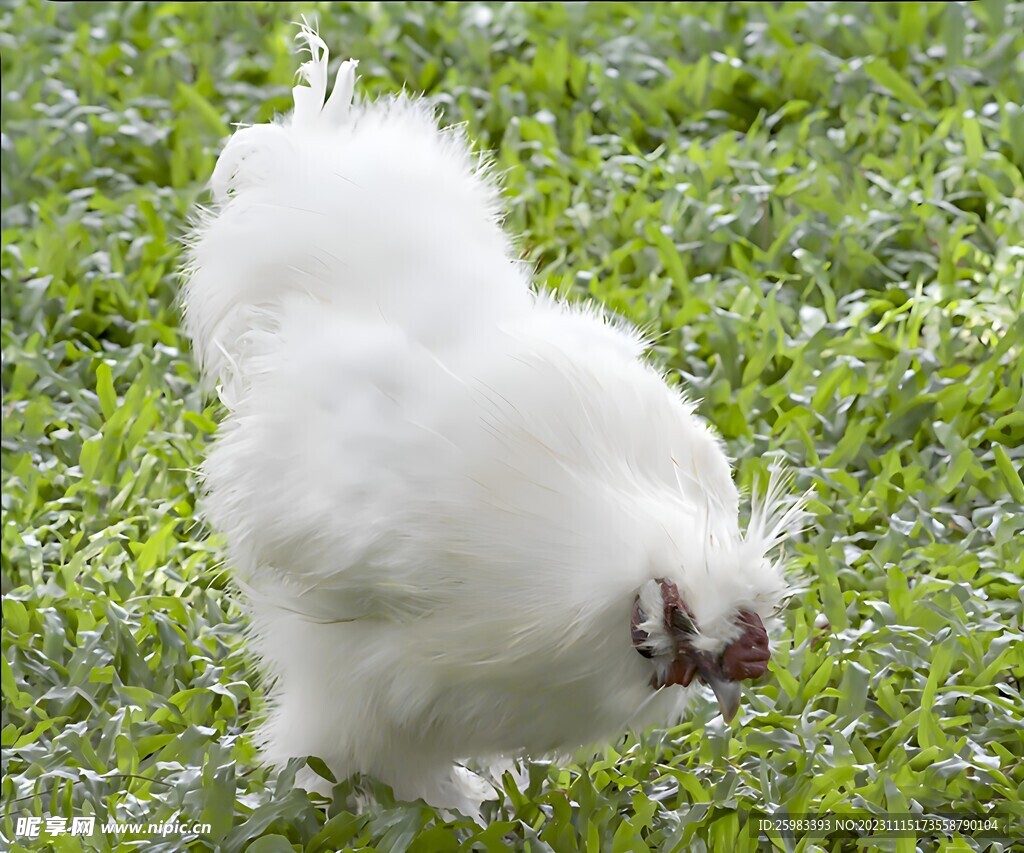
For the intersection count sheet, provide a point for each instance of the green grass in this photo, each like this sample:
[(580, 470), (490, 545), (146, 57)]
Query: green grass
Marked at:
[(819, 211)]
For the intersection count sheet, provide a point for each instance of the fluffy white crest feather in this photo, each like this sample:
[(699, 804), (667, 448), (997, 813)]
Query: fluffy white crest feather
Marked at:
[(442, 490)]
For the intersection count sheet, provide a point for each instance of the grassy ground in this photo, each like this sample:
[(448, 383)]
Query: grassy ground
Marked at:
[(820, 210)]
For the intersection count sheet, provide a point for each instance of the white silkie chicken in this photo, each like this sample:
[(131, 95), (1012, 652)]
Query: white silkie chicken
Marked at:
[(468, 519)]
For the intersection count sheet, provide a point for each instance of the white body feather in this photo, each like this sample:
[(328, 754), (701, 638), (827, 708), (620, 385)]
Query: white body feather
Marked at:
[(441, 490)]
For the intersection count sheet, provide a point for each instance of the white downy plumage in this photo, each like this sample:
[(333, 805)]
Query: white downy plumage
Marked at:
[(442, 490)]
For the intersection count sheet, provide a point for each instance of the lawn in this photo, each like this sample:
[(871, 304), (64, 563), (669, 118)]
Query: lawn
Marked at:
[(817, 211)]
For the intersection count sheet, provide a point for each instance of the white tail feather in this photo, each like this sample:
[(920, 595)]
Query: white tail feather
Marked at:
[(340, 204), (312, 106)]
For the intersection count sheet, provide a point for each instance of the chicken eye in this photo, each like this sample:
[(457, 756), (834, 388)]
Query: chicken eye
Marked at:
[(683, 622), (678, 617), (640, 637)]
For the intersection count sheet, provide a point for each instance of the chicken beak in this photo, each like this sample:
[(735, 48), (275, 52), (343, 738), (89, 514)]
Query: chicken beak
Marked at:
[(728, 695), (726, 691)]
